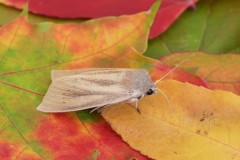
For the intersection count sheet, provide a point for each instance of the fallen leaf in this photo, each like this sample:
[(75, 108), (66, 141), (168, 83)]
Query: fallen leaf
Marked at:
[(199, 124), (13, 13), (213, 28), (219, 71), (169, 11), (28, 53)]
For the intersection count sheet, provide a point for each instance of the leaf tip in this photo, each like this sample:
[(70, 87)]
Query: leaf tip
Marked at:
[(153, 10), (25, 11), (95, 155)]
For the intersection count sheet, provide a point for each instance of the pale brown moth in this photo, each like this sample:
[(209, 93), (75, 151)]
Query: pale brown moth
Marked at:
[(73, 90)]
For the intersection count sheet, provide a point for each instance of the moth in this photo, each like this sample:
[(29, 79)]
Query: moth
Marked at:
[(73, 90)]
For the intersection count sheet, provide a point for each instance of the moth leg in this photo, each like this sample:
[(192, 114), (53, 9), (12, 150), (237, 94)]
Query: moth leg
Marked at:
[(99, 108), (136, 100), (95, 109), (137, 107)]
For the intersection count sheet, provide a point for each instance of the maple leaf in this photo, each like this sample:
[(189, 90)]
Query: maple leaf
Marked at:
[(168, 12)]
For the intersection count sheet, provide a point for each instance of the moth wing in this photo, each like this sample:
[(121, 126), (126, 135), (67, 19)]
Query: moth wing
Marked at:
[(80, 91), (87, 71)]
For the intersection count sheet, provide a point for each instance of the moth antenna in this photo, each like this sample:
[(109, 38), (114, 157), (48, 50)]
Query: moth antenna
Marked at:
[(176, 66), (169, 103)]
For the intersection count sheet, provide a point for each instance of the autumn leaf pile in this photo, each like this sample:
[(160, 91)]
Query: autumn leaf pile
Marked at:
[(199, 119)]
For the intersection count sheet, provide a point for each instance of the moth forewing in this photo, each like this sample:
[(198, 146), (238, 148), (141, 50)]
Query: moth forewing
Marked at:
[(73, 90), (87, 71)]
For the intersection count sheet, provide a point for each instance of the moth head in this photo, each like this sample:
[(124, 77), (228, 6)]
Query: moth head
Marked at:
[(152, 90)]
